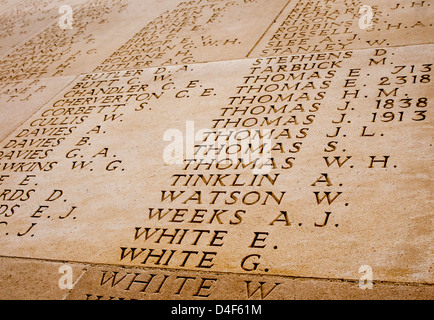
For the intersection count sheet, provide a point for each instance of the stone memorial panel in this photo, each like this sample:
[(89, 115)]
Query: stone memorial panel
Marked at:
[(217, 150)]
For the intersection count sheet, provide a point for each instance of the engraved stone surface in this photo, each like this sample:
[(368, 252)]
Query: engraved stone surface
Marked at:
[(318, 26), (243, 149), (33, 279), (20, 99)]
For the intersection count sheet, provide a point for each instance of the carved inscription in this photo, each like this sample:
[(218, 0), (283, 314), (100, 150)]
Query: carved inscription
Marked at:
[(211, 152)]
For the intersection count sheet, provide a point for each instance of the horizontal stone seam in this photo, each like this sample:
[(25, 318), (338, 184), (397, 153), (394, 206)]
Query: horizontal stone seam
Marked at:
[(111, 265)]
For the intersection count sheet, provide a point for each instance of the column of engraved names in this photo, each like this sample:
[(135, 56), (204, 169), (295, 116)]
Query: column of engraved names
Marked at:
[(280, 99), (195, 31), (66, 140), (55, 51), (23, 18), (234, 176), (319, 26)]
